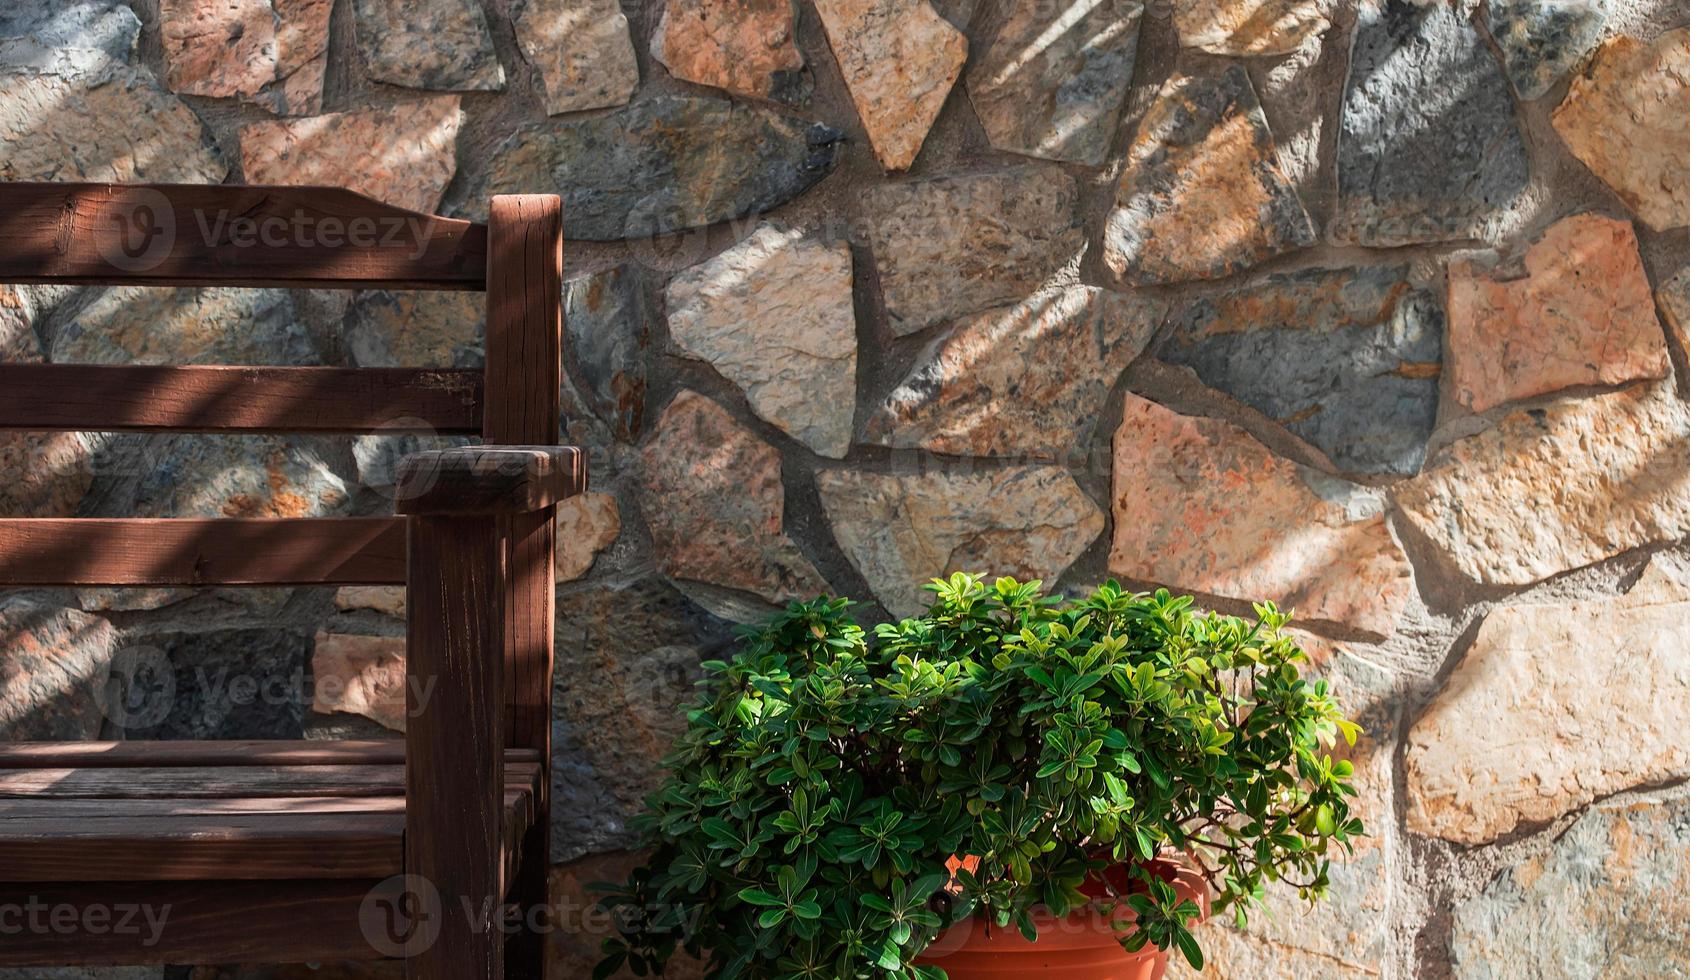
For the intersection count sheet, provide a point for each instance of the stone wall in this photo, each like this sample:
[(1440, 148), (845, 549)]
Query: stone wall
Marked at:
[(1377, 311)]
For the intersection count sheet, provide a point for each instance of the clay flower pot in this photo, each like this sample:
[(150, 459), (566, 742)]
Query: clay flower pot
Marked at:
[(1083, 946)]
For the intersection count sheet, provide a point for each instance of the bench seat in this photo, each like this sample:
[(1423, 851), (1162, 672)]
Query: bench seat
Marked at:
[(185, 811)]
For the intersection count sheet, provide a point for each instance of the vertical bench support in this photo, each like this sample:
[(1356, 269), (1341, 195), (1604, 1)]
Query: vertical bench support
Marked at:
[(454, 747), (524, 375)]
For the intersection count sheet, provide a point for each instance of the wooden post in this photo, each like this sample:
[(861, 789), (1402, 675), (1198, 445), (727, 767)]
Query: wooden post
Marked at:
[(454, 747), (524, 374)]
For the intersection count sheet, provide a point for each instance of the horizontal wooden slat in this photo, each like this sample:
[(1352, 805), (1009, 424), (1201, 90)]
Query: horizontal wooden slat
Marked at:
[(207, 922), (178, 234), (489, 479), (46, 807), (184, 551), (217, 782), (184, 848), (141, 398), (75, 755), (157, 755)]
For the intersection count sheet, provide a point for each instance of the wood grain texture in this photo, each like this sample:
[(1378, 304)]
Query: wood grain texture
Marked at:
[(352, 752), (188, 551), (190, 782), (190, 235), (455, 827), (524, 377), (489, 479), (207, 922), (144, 398)]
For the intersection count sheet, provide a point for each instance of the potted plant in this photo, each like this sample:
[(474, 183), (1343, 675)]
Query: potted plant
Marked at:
[(1013, 784)]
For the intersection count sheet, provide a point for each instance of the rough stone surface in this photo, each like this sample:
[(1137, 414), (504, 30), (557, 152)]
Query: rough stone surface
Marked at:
[(407, 328), (745, 46), (582, 50), (272, 52), (773, 314), (388, 599), (361, 675), (187, 325), (713, 498), (1559, 732), (902, 530), (1250, 27), (53, 668), (628, 657), (210, 476), (1576, 309), (1429, 148), (1203, 195), (663, 164), (1347, 359), (442, 45), (954, 245), (404, 154), (222, 684), (1624, 117), (1552, 489), (1027, 380), (58, 128), (899, 59), (586, 525), (1541, 40), (1053, 81), (1606, 900), (1674, 300), (1201, 505), (67, 37), (47, 473), (608, 316)]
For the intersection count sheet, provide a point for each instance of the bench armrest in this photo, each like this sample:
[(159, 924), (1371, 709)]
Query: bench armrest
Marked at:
[(489, 479)]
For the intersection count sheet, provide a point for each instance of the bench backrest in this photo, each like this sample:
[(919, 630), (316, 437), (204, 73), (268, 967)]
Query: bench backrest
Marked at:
[(325, 238)]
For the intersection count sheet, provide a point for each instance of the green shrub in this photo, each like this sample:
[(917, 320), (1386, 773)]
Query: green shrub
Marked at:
[(824, 780)]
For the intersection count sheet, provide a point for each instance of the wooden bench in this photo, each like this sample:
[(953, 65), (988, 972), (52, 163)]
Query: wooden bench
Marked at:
[(267, 852)]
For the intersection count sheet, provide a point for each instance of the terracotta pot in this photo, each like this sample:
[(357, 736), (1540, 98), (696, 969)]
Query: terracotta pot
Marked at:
[(1082, 946)]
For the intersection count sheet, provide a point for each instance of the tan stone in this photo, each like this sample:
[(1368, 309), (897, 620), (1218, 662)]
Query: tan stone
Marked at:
[(715, 504), (46, 473), (948, 246), (1675, 303), (360, 675), (408, 328), (1022, 380), (184, 325), (1553, 489), (744, 46), (302, 57), (899, 59), (1248, 27), (1575, 311), (1625, 118), (218, 48), (1055, 77), (126, 129), (404, 154), (1558, 730), (54, 665), (1201, 505), (586, 525), (773, 314), (581, 49), (900, 531), (270, 52), (441, 45), (1609, 898), (1203, 195), (389, 599)]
